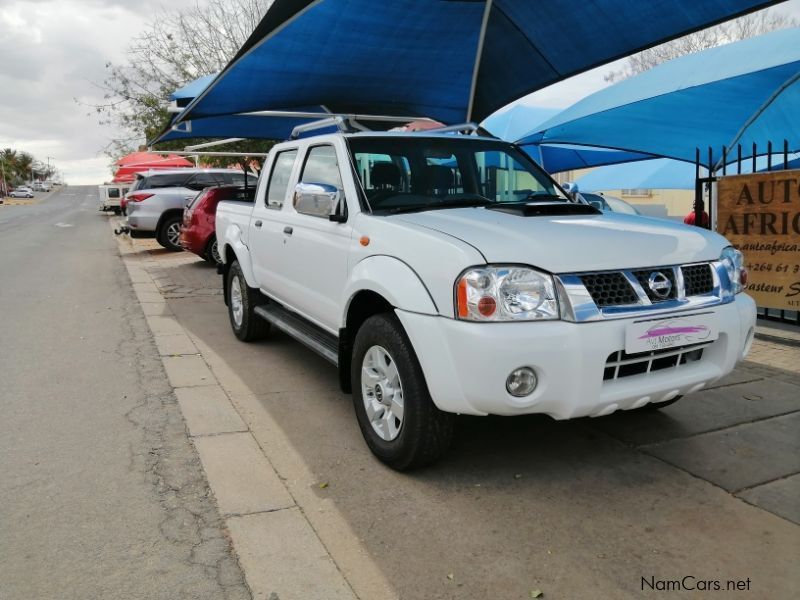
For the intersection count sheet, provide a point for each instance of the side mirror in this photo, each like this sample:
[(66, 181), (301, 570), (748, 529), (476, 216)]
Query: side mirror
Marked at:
[(319, 200), (596, 204)]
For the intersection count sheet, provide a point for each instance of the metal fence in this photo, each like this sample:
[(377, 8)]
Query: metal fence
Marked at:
[(733, 164)]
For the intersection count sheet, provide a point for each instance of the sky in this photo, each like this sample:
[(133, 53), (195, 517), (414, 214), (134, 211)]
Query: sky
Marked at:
[(55, 51)]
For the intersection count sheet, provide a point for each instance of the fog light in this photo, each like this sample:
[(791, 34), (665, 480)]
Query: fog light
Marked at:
[(521, 382)]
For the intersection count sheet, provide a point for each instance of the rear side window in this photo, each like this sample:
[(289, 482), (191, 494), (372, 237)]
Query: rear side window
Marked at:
[(203, 180), (237, 178), (279, 178), (241, 194), (165, 180)]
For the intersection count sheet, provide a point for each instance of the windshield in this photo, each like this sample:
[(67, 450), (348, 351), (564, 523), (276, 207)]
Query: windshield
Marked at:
[(401, 174)]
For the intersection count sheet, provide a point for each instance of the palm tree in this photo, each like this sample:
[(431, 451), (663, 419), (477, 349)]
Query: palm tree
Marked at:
[(24, 165)]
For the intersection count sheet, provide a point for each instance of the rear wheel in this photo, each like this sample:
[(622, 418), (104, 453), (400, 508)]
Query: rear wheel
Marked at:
[(212, 251), (242, 300), (169, 233), (397, 417)]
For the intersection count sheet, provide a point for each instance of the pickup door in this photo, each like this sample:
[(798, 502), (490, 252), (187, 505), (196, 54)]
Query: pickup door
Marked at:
[(301, 259)]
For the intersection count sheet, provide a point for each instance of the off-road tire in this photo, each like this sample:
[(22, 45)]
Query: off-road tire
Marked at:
[(252, 327), (161, 235), (426, 432)]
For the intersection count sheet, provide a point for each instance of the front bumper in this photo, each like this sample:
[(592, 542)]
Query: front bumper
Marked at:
[(466, 364)]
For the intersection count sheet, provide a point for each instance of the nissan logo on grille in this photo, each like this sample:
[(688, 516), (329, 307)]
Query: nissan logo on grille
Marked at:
[(659, 284)]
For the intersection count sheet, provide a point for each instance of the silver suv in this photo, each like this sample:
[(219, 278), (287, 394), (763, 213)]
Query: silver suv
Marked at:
[(154, 206)]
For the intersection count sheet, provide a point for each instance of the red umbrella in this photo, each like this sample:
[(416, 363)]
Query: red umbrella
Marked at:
[(144, 161)]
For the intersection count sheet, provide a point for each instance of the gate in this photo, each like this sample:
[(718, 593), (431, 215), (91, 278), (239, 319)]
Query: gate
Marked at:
[(703, 196)]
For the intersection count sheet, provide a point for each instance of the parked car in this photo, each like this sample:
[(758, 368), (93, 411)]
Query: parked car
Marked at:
[(111, 196), (198, 232), (155, 208), (609, 203), (440, 286), (21, 192)]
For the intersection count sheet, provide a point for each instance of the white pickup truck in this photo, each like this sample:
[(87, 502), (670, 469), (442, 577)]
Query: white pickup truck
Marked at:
[(448, 274)]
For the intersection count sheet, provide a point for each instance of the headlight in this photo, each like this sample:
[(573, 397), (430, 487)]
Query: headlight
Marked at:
[(733, 261), (509, 293)]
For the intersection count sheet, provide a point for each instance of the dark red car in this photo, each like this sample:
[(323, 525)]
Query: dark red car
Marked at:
[(198, 232)]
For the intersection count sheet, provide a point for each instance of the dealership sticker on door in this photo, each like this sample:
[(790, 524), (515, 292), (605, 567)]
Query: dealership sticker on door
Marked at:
[(672, 332)]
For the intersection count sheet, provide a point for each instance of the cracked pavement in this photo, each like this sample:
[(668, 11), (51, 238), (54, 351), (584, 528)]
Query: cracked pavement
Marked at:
[(103, 494)]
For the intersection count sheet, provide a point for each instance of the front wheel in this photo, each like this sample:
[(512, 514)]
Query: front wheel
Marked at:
[(242, 300), (399, 422), (169, 234)]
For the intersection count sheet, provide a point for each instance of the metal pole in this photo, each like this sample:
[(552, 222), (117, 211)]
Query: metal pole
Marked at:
[(786, 157), (698, 188)]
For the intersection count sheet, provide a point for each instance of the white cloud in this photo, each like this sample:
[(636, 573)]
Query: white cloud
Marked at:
[(53, 52)]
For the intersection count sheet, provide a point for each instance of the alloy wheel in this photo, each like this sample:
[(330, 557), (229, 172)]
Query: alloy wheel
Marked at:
[(382, 393)]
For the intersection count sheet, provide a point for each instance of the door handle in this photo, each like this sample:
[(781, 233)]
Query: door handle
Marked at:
[(258, 223), (288, 230)]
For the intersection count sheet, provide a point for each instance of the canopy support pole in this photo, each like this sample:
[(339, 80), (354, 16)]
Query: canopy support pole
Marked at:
[(214, 143), (793, 79), (233, 154), (478, 53)]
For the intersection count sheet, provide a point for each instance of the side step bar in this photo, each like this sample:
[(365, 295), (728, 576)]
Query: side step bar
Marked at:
[(323, 343)]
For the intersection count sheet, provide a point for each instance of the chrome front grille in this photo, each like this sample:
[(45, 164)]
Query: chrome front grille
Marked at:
[(623, 293), (609, 289), (643, 277), (621, 364), (698, 279)]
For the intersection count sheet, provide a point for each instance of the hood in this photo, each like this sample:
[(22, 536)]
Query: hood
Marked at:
[(567, 244)]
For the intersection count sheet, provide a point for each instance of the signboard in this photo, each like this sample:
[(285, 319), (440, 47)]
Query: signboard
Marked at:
[(760, 214)]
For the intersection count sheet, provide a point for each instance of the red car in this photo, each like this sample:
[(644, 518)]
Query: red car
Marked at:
[(198, 232)]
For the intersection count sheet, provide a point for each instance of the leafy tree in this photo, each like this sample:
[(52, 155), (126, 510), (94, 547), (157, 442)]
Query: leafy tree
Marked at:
[(18, 167), (745, 27), (178, 46)]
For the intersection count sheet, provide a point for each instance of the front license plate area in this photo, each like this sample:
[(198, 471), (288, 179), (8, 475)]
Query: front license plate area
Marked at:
[(670, 332)]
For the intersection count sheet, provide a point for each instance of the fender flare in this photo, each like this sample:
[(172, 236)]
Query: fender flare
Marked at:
[(392, 279), (232, 237)]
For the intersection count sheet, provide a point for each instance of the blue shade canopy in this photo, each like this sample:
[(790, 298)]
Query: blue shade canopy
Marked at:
[(665, 174), (514, 122), (237, 126), (228, 126), (191, 90), (739, 93), (659, 174), (452, 61)]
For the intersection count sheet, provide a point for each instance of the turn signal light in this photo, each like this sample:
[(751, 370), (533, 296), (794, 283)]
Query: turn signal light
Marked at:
[(138, 197)]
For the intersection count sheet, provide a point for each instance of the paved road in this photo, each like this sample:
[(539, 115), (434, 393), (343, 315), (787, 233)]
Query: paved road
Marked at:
[(707, 488), (101, 494)]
